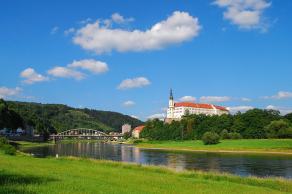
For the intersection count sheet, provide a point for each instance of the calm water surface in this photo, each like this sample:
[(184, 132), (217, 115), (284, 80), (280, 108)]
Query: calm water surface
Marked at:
[(239, 164)]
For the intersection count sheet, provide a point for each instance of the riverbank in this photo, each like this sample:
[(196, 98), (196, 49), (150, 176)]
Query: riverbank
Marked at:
[(25, 174), (256, 146)]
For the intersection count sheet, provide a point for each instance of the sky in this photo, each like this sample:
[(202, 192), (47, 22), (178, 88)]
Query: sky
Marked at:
[(125, 55)]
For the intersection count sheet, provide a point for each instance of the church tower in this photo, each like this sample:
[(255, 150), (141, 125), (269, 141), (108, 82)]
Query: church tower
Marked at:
[(170, 106)]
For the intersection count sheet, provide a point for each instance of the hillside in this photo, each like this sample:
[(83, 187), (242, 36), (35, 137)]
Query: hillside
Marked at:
[(61, 117)]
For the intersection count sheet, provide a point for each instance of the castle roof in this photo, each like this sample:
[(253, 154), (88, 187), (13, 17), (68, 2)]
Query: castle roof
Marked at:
[(196, 105)]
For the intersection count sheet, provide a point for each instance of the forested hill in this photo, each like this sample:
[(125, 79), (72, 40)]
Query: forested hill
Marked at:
[(61, 117)]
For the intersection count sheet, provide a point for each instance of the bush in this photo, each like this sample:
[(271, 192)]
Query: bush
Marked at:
[(210, 138), (137, 141), (127, 135), (224, 134), (234, 135), (9, 149), (285, 133), (3, 141)]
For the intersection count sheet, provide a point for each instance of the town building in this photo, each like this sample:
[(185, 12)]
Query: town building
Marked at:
[(136, 131), (176, 110), (126, 128)]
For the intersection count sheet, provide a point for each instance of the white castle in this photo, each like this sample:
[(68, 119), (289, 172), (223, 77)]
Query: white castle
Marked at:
[(176, 110)]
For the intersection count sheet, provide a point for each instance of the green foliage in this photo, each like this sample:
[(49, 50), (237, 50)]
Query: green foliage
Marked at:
[(251, 124), (6, 147), (53, 118), (210, 138), (277, 128), (9, 149), (9, 118), (127, 135), (3, 141), (224, 134), (234, 135)]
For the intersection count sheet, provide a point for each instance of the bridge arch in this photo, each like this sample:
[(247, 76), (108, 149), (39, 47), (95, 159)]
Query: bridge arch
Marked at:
[(82, 131)]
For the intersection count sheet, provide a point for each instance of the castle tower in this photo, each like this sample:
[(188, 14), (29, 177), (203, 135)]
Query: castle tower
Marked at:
[(170, 106)]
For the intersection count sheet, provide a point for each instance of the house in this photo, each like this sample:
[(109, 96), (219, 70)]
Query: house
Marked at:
[(136, 131)]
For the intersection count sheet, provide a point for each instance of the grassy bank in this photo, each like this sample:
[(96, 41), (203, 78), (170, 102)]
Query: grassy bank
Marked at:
[(24, 174), (282, 146)]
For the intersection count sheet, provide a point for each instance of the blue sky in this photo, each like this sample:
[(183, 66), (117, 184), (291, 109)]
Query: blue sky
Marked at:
[(125, 55)]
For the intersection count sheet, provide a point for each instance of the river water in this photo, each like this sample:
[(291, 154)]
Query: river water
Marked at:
[(239, 164)]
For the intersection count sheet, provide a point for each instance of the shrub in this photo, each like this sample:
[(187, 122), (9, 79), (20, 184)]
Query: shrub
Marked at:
[(235, 135), (127, 135), (285, 133), (224, 134), (9, 149), (137, 141), (210, 138), (3, 141)]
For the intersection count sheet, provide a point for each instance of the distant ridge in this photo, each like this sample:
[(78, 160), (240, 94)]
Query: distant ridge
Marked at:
[(62, 117)]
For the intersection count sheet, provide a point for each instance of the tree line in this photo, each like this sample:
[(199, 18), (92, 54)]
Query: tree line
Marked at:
[(253, 124), (53, 118)]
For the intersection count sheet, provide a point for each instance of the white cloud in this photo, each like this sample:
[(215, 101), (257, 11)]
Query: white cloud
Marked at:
[(31, 76), (66, 73), (119, 19), (69, 31), (245, 99), (85, 21), (188, 99), (177, 28), (280, 95), (54, 30), (7, 92), (159, 116), (129, 103), (90, 65), (209, 99), (137, 82), (236, 109), (247, 14), (283, 110), (134, 116)]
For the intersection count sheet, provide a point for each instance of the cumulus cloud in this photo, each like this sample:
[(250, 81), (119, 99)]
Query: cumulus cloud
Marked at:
[(283, 110), (90, 65), (188, 99), (66, 72), (8, 92), (236, 109), (137, 82), (247, 14), (209, 99), (159, 116), (177, 28), (119, 19), (280, 95), (31, 76), (129, 103)]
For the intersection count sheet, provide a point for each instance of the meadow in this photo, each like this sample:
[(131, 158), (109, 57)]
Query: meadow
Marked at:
[(28, 175), (282, 146)]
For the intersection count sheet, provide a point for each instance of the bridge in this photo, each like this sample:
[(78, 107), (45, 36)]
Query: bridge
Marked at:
[(83, 133)]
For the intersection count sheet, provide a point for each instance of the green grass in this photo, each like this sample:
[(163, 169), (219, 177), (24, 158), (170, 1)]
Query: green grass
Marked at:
[(24, 144), (27, 175), (247, 145)]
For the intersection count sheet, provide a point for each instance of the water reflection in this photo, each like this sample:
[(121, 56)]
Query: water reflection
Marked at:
[(243, 165)]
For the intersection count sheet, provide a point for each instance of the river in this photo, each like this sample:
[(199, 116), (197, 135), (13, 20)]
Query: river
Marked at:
[(239, 164)]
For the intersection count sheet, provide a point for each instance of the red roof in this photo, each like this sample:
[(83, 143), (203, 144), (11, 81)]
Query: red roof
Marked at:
[(195, 105), (139, 128)]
